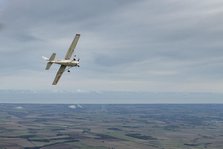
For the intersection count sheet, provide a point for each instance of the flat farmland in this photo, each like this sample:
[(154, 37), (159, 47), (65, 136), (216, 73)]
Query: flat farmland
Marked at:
[(153, 126)]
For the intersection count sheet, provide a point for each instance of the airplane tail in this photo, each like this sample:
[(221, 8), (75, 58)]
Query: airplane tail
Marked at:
[(45, 58), (49, 63)]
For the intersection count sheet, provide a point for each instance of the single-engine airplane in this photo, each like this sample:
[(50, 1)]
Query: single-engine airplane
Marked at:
[(66, 62)]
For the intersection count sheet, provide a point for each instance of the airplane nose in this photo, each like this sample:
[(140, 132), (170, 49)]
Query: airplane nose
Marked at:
[(77, 63)]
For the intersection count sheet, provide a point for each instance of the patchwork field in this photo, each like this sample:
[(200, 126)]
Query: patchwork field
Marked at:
[(161, 126)]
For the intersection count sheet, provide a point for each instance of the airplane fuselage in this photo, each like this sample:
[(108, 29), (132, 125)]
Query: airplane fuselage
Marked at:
[(66, 63), (69, 63)]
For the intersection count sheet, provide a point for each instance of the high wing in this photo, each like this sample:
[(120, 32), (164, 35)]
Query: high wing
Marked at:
[(59, 74), (72, 47)]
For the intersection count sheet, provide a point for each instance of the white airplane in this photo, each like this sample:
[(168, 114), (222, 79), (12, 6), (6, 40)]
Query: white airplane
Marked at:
[(67, 62)]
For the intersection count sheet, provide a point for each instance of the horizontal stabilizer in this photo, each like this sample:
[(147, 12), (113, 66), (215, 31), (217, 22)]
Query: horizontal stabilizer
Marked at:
[(48, 65), (52, 57)]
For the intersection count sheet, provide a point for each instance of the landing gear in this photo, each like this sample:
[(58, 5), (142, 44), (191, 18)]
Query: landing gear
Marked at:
[(74, 58), (68, 70)]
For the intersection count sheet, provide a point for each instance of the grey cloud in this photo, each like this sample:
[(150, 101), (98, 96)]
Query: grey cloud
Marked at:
[(163, 41), (14, 96), (1, 26), (42, 12), (27, 38)]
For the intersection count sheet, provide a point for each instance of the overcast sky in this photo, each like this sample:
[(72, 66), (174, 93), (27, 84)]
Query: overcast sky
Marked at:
[(125, 45)]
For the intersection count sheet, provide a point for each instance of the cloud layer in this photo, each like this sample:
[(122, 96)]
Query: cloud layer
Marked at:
[(158, 46)]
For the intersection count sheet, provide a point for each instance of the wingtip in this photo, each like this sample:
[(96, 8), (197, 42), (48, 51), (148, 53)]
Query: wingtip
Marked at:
[(54, 83)]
